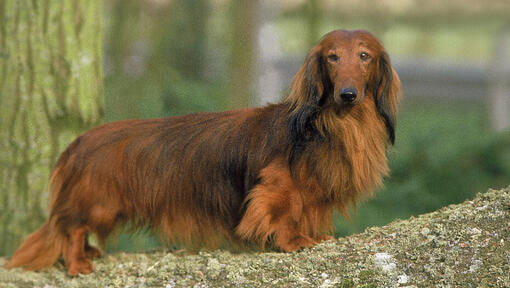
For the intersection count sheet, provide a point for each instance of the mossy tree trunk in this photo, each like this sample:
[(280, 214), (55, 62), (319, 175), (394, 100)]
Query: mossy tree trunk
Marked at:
[(50, 91)]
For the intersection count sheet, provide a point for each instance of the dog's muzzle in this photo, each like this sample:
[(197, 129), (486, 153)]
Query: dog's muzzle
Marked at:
[(348, 95)]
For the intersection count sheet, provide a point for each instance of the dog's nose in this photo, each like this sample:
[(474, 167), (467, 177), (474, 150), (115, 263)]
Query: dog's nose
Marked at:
[(348, 94)]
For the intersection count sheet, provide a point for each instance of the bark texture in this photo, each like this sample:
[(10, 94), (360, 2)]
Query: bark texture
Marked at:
[(50, 91)]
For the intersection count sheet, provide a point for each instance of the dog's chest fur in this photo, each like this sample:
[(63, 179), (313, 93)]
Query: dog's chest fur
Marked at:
[(352, 162)]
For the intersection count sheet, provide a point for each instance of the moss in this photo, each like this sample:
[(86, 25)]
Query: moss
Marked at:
[(460, 245), (366, 275), (347, 283)]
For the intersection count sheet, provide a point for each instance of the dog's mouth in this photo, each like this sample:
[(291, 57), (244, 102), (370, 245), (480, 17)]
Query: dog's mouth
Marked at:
[(341, 109), (342, 104)]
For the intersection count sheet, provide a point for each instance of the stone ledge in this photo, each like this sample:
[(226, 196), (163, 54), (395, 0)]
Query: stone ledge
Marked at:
[(460, 245)]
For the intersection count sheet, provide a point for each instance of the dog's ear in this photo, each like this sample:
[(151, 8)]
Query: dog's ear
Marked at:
[(308, 83), (387, 93), (305, 95), (314, 75)]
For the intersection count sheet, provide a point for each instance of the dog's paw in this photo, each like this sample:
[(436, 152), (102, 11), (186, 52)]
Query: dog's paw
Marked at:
[(80, 266), (297, 243), (325, 238)]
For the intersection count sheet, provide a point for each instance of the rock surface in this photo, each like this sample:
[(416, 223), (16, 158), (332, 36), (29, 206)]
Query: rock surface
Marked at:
[(464, 245)]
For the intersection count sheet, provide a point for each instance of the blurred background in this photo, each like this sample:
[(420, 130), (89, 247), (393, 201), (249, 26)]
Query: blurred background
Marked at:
[(171, 57)]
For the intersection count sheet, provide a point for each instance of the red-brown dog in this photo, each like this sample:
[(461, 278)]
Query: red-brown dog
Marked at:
[(269, 175)]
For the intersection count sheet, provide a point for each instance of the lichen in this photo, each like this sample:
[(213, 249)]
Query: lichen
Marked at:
[(460, 245)]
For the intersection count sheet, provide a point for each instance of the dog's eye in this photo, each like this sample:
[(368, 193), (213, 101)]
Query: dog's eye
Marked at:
[(364, 56), (332, 57)]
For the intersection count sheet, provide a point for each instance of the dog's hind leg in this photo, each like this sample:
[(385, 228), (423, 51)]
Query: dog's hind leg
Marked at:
[(77, 251), (102, 220), (74, 252)]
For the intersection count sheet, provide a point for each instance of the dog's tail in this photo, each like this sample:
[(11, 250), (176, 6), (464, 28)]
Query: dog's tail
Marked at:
[(40, 250)]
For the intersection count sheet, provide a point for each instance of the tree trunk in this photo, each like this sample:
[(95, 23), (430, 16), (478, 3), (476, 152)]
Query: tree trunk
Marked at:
[(244, 25), (50, 91)]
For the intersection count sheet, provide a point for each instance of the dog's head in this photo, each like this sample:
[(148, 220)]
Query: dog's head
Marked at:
[(345, 68)]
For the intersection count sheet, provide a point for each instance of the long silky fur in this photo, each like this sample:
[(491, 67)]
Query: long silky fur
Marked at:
[(191, 177)]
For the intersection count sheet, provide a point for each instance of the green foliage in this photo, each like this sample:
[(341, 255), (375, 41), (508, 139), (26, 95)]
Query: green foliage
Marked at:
[(156, 61), (443, 155), (192, 96)]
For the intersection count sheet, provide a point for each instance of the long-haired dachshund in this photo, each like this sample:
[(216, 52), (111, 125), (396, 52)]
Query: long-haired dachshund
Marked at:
[(269, 175)]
